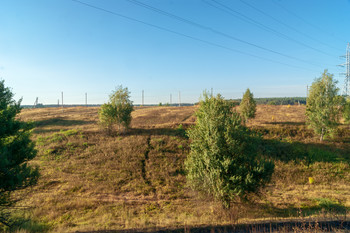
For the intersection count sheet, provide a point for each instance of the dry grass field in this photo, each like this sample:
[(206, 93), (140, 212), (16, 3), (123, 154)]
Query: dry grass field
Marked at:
[(91, 181)]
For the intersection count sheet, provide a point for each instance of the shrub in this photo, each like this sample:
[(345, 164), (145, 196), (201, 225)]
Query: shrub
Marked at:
[(346, 113), (107, 117), (247, 106), (323, 105), (223, 159), (117, 110)]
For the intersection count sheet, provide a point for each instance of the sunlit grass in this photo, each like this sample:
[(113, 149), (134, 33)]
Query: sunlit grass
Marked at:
[(92, 181)]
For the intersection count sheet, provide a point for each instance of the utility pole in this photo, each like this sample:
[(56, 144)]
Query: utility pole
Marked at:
[(86, 99), (346, 88), (179, 99), (211, 95), (143, 98), (62, 100), (58, 102)]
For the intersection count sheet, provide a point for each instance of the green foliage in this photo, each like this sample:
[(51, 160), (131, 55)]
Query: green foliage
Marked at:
[(247, 106), (233, 103), (272, 102), (117, 110), (223, 160), (279, 100), (107, 116), (323, 105), (16, 149), (346, 112)]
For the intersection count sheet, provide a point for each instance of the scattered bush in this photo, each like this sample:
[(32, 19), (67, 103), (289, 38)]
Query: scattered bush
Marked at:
[(346, 112), (247, 106), (323, 105), (117, 110), (223, 160)]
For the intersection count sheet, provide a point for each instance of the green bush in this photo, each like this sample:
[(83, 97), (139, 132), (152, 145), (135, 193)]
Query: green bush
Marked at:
[(346, 112), (247, 106), (107, 117), (323, 105), (117, 111), (223, 160)]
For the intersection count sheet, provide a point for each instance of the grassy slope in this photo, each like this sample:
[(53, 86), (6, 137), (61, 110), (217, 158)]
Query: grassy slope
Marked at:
[(91, 181)]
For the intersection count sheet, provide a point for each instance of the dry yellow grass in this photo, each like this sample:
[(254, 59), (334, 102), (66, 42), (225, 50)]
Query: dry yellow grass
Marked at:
[(279, 114), (91, 181)]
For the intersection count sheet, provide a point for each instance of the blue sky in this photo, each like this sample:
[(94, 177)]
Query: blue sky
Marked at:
[(274, 47)]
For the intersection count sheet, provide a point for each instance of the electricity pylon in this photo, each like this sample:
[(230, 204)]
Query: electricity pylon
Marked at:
[(346, 88)]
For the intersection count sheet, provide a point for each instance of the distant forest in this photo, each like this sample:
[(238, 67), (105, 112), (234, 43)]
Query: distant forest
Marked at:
[(276, 101)]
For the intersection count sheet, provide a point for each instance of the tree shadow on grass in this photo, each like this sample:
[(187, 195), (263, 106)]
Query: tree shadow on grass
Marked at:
[(285, 123), (322, 206), (22, 224), (178, 132), (40, 126), (301, 152), (33, 226), (58, 121)]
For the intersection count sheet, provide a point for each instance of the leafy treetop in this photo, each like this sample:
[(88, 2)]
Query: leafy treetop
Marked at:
[(323, 105), (223, 160)]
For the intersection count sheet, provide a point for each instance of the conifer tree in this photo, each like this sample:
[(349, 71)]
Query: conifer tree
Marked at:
[(16, 149), (247, 106)]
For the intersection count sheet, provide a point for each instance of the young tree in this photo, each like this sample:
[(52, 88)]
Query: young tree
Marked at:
[(117, 110), (346, 110), (323, 105), (107, 117), (247, 106), (223, 161), (16, 149)]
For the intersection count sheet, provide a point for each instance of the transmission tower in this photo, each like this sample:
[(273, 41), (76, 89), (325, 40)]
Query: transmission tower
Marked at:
[(36, 102), (346, 88)]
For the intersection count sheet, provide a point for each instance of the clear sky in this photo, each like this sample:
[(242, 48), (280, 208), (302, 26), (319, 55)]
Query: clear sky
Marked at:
[(274, 47)]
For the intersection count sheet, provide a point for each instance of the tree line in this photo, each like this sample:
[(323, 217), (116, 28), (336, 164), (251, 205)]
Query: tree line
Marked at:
[(276, 100)]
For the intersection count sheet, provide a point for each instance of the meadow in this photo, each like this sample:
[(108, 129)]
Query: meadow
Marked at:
[(93, 181)]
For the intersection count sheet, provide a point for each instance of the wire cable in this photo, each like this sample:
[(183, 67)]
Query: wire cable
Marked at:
[(287, 26), (260, 25), (220, 33), (305, 21), (187, 36)]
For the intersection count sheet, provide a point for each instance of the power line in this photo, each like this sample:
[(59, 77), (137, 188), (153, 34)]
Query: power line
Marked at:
[(260, 25), (287, 26), (227, 35), (305, 21), (197, 39), (216, 31)]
